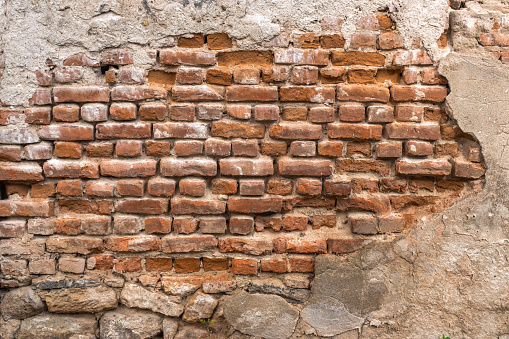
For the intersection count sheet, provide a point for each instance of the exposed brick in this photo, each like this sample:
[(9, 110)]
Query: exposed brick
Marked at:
[(80, 245), (300, 245), (100, 150), (213, 225), (251, 187), (143, 243), (195, 93), (219, 41), (246, 167), (128, 148), (419, 93), (470, 170), (194, 58), (71, 265), (389, 150), (252, 93), (305, 75), (185, 244), (432, 167), (273, 148), (391, 223), (66, 113), (159, 264), (99, 189), (219, 76), (352, 113), (129, 264), (179, 130), (363, 165), (245, 266), (128, 168), (216, 264), (262, 222), (184, 167), (38, 152), (424, 131), (142, 206), (10, 153), (224, 186), (66, 132), (81, 94), (367, 93), (246, 75), (132, 188), (152, 112), (274, 74), (185, 225), (357, 58), (218, 147), (341, 246), (418, 148), (71, 188), (295, 222), (274, 265), (12, 229), (159, 187), (303, 148), (372, 203), (123, 111), (390, 40), (393, 185), (241, 225), (242, 112), (294, 131), (71, 169), (332, 75), (337, 187), (358, 149), (323, 220), (312, 167), (192, 187), (181, 112), (321, 114), (308, 186), (235, 58), (322, 95), (137, 130), (100, 262), (332, 41), (42, 96), (355, 131), (254, 205), (364, 225), (413, 57), (195, 206), (380, 113), (302, 57), (330, 148), (42, 266)]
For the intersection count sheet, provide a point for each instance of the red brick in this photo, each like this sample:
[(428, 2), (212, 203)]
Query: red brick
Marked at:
[(85, 206), (241, 225), (192, 187), (254, 205), (184, 148), (357, 58), (66, 75), (419, 93), (81, 94), (290, 203), (302, 57), (38, 152), (195, 93), (142, 206), (273, 148), (424, 131), (366, 93), (389, 150), (391, 223), (191, 40), (42, 96), (152, 112), (128, 168), (36, 115), (469, 170), (308, 186), (194, 58), (219, 41), (123, 131), (74, 245), (133, 188), (24, 172), (246, 75), (363, 184), (411, 75), (323, 95), (323, 220), (355, 131), (358, 149), (295, 222), (373, 203), (185, 244), (209, 111), (279, 186), (224, 186), (409, 113), (194, 206), (161, 187), (242, 112), (68, 150), (185, 225), (130, 76), (12, 229), (66, 132), (181, 113), (262, 222), (71, 169), (303, 148), (332, 75), (219, 76), (301, 264), (130, 264), (159, 264), (100, 150), (418, 148), (314, 167), (244, 266), (363, 165), (187, 265), (401, 202), (432, 167), (431, 77), (363, 40), (413, 57), (330, 148), (44, 78), (128, 148), (390, 40), (342, 246), (274, 74), (305, 75), (100, 262), (337, 188), (14, 267), (229, 129), (332, 41), (393, 185), (135, 93), (190, 76), (235, 58), (72, 188), (364, 225), (245, 148), (252, 187), (352, 113), (123, 111), (246, 167), (42, 266), (252, 93), (266, 113), (321, 114), (300, 245), (294, 131), (213, 225), (274, 265), (66, 113), (41, 226), (185, 167), (179, 130), (119, 57), (143, 243), (96, 225), (158, 225), (218, 147)]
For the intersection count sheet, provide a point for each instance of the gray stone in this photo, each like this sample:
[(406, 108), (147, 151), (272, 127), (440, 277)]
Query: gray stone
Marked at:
[(170, 327), (9, 328), (130, 324), (21, 303), (192, 332), (296, 280), (329, 316), (136, 296), (219, 286), (56, 326), (275, 286), (266, 316), (199, 306), (81, 300), (57, 283)]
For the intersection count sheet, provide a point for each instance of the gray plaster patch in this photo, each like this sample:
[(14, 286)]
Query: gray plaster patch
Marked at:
[(31, 32)]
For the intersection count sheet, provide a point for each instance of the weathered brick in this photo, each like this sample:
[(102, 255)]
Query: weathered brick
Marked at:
[(274, 265), (363, 165), (308, 186), (72, 188), (152, 112), (128, 148), (129, 264), (185, 167), (159, 264), (42, 266), (357, 58), (12, 229), (135, 93), (133, 188), (300, 245), (65, 132), (295, 222), (418, 148), (424, 131), (289, 131), (390, 40), (419, 93), (322, 95), (380, 113), (314, 167), (185, 244), (100, 150), (355, 131), (209, 111), (330, 148), (245, 148), (219, 76), (241, 225), (66, 113), (118, 57), (196, 206), (85, 206), (68, 150), (389, 150), (212, 225), (41, 96), (81, 94), (159, 187), (137, 130), (466, 169), (242, 112), (194, 58), (230, 129), (245, 266), (431, 167), (364, 225), (218, 147), (180, 130), (189, 76), (79, 245), (246, 75), (246, 167), (273, 148), (303, 149), (413, 57), (254, 205), (142, 243), (367, 93), (195, 93), (128, 168), (341, 246), (123, 111), (252, 93), (185, 225), (373, 203), (181, 112), (142, 206), (302, 57), (235, 58), (305, 75), (321, 114), (219, 41), (71, 169), (24, 172), (352, 113), (337, 187)]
